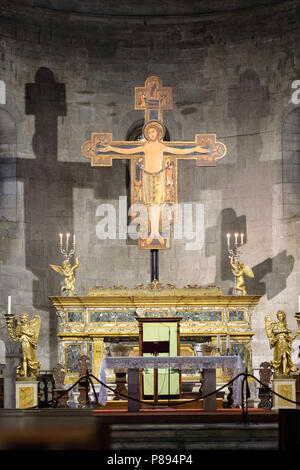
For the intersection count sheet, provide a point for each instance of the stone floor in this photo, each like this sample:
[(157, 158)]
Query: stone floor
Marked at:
[(195, 437), (80, 429)]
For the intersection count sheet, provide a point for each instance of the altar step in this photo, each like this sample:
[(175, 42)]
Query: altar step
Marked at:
[(195, 437), (191, 430), (181, 403), (90, 429)]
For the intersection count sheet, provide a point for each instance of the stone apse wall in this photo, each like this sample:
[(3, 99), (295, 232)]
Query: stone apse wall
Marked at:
[(66, 75)]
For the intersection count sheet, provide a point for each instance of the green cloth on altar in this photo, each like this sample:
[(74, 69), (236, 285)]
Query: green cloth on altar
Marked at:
[(168, 380)]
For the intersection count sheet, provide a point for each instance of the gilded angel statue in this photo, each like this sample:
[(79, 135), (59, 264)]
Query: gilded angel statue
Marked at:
[(27, 333), (67, 271), (240, 270), (280, 338)]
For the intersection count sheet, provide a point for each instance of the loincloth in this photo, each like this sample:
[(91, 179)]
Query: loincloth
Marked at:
[(154, 187)]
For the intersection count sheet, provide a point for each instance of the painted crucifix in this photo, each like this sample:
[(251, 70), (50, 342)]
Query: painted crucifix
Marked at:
[(153, 164)]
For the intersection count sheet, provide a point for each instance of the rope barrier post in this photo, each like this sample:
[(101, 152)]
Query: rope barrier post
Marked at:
[(247, 395), (87, 389), (133, 390), (94, 391), (209, 384)]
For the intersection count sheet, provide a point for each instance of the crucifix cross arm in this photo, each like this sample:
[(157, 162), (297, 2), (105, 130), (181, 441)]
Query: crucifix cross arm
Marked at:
[(123, 150), (101, 150), (184, 151)]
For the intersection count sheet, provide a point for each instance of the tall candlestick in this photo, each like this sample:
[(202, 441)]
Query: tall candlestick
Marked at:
[(9, 305), (228, 239), (227, 342)]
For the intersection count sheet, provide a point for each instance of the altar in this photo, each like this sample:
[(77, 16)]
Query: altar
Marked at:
[(89, 324), (202, 363)]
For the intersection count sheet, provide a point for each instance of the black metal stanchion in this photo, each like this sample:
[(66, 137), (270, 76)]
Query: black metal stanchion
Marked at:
[(154, 265)]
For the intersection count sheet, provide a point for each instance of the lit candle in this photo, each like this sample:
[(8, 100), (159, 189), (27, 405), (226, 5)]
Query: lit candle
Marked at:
[(242, 238), (73, 240), (218, 342), (60, 239), (235, 238), (228, 239), (67, 244), (9, 305)]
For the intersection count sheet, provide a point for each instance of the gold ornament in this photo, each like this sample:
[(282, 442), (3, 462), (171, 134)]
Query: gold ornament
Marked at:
[(240, 270), (280, 338), (67, 271), (27, 333)]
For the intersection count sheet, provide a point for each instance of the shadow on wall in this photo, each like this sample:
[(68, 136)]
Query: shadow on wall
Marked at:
[(49, 185), (270, 276), (274, 271), (48, 190), (227, 222), (248, 102), (291, 164)]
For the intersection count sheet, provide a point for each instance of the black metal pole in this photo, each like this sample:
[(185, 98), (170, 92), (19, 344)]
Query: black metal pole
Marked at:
[(154, 265)]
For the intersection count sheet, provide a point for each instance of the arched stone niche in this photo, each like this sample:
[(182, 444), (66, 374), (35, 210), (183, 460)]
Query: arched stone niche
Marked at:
[(8, 186), (291, 164), (2, 92)]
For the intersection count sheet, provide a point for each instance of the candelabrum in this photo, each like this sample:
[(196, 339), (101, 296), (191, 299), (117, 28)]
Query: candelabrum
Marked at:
[(65, 250), (220, 349), (66, 270), (234, 250), (297, 316)]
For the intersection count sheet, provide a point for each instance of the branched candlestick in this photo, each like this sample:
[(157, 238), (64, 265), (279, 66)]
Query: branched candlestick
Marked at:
[(297, 316), (65, 251), (66, 270), (234, 250)]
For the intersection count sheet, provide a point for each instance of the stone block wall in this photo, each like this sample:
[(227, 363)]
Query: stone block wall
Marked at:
[(68, 74)]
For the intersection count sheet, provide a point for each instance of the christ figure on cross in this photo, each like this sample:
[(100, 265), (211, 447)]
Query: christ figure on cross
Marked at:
[(154, 171)]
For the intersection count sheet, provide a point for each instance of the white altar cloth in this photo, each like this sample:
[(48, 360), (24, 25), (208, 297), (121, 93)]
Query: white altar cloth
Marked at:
[(173, 362)]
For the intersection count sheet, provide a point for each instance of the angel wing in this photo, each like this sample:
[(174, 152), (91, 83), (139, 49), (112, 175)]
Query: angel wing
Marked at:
[(35, 325), (59, 269), (248, 271)]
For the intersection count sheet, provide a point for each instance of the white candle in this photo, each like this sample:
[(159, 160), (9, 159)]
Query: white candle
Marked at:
[(218, 342), (67, 245), (228, 239), (235, 238), (73, 240), (227, 341), (60, 239), (242, 238), (9, 305)]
